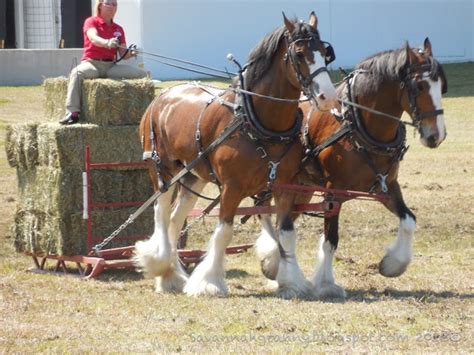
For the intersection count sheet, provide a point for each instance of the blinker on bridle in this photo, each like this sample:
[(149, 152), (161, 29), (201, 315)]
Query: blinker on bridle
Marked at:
[(313, 41)]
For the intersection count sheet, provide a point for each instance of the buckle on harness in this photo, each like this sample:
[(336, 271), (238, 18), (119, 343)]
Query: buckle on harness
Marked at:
[(273, 170), (263, 152), (382, 179)]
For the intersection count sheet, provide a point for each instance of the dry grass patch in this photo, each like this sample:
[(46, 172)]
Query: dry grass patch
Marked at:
[(427, 309)]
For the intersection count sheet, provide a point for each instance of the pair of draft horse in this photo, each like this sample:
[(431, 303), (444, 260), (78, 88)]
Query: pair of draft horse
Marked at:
[(266, 148)]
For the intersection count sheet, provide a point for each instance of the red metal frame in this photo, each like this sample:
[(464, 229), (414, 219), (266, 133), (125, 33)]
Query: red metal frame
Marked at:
[(92, 265)]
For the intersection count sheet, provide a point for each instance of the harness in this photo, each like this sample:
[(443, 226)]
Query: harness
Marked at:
[(365, 144), (353, 128), (244, 111)]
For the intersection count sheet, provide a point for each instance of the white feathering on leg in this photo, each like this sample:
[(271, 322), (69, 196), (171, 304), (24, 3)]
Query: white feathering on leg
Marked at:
[(208, 278), (323, 279)]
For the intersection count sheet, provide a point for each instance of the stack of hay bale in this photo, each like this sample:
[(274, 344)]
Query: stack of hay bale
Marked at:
[(49, 159)]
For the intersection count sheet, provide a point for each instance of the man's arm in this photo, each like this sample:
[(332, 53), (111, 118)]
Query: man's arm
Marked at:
[(99, 41)]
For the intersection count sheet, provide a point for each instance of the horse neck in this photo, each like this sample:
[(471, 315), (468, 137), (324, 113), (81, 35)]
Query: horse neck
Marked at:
[(276, 115), (386, 100)]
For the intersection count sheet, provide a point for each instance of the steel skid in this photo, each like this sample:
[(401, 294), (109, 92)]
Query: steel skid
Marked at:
[(94, 263)]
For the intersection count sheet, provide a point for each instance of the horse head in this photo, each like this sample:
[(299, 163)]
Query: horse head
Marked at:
[(424, 81), (308, 56)]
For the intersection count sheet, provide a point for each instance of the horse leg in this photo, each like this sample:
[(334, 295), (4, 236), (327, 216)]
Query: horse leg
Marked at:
[(290, 278), (399, 254), (266, 248), (323, 279), (153, 256), (266, 245), (208, 278), (176, 277)]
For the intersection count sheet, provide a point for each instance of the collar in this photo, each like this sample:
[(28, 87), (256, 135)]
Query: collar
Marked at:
[(102, 21)]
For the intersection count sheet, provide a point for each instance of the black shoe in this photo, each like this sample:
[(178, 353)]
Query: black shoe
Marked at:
[(69, 119)]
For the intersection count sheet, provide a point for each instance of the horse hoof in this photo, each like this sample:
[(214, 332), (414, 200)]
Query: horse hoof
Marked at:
[(172, 282), (206, 289), (287, 293), (331, 291), (295, 292), (267, 251), (390, 266), (269, 267), (149, 261)]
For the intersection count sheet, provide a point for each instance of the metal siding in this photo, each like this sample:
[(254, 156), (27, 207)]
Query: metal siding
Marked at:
[(205, 31)]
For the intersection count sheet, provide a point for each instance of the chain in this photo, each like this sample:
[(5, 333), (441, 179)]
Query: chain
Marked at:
[(97, 248), (203, 214)]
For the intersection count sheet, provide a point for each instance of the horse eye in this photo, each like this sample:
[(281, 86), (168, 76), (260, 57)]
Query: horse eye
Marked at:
[(300, 55)]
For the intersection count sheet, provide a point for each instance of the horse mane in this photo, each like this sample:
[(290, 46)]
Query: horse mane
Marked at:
[(380, 67), (389, 66), (262, 55)]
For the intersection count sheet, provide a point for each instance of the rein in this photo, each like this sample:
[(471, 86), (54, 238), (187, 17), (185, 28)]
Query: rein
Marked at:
[(223, 74), (131, 47)]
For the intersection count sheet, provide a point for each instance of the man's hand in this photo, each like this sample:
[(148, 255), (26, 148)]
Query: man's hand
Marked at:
[(112, 43)]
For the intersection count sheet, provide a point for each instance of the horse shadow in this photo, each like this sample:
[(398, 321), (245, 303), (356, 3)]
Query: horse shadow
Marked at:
[(133, 275), (422, 295), (372, 295)]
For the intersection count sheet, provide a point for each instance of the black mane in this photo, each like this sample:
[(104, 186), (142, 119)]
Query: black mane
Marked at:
[(389, 66), (262, 56), (383, 66)]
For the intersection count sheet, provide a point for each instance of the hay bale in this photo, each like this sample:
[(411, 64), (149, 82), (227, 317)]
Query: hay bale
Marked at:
[(49, 208), (43, 232), (48, 216), (21, 145), (63, 146), (104, 101), (60, 190), (55, 90)]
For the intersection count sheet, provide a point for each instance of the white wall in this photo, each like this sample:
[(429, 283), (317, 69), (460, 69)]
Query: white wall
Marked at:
[(32, 66), (204, 31)]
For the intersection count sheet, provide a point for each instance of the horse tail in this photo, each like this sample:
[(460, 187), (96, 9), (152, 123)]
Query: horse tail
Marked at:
[(147, 133)]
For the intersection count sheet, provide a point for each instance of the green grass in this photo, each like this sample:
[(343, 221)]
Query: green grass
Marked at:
[(428, 309)]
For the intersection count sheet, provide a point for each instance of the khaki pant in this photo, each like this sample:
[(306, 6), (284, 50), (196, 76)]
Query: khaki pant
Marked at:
[(91, 69)]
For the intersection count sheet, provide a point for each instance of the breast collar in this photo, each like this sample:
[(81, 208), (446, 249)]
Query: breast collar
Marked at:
[(359, 135), (253, 127)]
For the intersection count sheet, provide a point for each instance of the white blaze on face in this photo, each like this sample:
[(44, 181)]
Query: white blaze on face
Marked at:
[(322, 86), (435, 93)]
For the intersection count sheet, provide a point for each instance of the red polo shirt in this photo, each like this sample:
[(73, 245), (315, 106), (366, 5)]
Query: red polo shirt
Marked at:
[(104, 30)]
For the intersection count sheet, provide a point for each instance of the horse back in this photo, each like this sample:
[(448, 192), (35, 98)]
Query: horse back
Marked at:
[(175, 117)]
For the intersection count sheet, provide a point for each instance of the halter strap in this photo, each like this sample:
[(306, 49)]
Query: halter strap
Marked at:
[(410, 84)]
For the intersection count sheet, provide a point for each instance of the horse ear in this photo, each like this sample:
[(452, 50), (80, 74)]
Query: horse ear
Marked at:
[(427, 46), (288, 24), (411, 57), (313, 20)]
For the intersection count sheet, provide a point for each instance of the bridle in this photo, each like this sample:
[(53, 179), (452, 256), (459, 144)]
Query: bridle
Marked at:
[(315, 44), (410, 82), (254, 128)]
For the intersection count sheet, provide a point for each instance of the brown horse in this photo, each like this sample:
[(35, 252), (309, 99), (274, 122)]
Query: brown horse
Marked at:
[(368, 155), (186, 119)]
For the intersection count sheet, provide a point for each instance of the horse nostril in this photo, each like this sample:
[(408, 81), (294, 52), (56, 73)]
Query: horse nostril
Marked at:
[(432, 140), (321, 96)]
